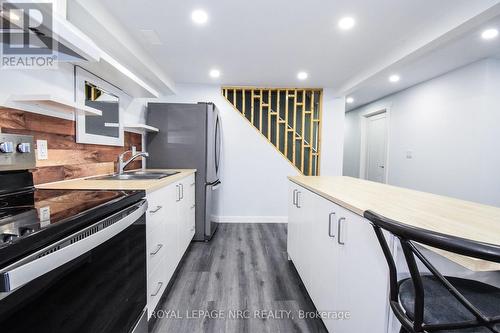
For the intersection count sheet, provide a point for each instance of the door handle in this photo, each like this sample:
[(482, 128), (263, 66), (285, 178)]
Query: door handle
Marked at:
[(298, 199), (160, 284), (339, 230), (294, 197), (155, 252), (330, 225), (156, 210)]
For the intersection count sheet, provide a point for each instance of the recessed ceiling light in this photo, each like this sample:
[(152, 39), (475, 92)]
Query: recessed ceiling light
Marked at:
[(302, 75), (214, 73), (199, 16), (394, 78), (347, 23), (489, 33), (349, 100)]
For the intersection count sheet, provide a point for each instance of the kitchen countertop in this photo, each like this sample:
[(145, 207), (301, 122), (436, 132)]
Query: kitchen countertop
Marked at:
[(148, 185), (419, 209)]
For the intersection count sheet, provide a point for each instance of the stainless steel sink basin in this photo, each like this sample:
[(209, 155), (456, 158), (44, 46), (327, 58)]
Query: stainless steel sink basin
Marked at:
[(137, 175)]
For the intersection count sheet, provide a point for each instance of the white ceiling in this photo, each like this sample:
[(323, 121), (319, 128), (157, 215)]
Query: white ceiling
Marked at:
[(454, 50), (262, 42)]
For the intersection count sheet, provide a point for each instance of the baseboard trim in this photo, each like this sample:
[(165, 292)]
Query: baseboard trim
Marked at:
[(251, 219)]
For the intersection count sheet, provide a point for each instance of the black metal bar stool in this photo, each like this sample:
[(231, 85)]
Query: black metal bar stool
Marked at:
[(433, 302)]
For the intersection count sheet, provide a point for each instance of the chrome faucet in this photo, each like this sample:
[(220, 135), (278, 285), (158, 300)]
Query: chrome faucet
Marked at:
[(123, 164)]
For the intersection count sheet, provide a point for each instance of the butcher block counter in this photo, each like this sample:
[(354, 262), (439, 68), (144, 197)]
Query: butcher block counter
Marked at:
[(148, 185), (418, 209)]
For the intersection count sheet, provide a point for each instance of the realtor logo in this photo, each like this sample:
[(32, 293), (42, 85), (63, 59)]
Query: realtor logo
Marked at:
[(26, 38)]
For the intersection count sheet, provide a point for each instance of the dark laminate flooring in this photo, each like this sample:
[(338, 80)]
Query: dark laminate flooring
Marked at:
[(244, 267)]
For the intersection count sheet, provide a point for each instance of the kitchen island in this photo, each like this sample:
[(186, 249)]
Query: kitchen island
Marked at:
[(339, 259)]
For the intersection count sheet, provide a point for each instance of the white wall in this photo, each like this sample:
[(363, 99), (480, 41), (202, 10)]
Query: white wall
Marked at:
[(254, 175), (332, 134), (452, 126)]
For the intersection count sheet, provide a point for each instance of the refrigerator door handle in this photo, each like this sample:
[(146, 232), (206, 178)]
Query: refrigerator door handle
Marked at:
[(215, 185), (217, 145)]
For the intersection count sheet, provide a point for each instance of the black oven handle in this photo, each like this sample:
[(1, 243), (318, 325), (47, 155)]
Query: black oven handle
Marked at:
[(69, 248)]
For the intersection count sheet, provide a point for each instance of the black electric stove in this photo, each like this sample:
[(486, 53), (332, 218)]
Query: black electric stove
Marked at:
[(70, 261), (31, 219)]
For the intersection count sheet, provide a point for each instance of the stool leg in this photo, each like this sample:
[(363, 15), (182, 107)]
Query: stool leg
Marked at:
[(402, 330)]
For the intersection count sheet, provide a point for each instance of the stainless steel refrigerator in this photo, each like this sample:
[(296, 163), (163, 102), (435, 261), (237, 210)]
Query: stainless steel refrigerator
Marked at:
[(189, 138)]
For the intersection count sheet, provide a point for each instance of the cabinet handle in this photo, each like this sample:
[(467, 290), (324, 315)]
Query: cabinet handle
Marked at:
[(192, 184), (339, 230), (178, 193), (294, 196), (158, 248), (182, 191), (160, 284), (156, 210), (330, 225), (298, 199), (193, 206)]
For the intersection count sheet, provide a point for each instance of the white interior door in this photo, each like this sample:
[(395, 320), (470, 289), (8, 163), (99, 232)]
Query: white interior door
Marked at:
[(376, 148)]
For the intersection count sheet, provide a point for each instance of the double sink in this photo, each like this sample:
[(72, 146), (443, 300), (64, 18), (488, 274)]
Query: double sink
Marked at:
[(137, 175)]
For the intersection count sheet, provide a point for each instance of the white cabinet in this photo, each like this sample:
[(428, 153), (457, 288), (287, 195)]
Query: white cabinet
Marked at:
[(362, 277), (185, 213), (340, 262), (170, 224), (295, 223)]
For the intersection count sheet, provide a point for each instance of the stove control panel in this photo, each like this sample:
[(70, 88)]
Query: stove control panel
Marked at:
[(16, 152)]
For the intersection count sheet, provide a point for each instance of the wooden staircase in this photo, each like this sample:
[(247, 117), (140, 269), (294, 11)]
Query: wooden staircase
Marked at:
[(289, 118)]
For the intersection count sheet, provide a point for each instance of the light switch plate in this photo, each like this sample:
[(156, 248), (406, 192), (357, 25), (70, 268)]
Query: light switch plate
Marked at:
[(42, 150)]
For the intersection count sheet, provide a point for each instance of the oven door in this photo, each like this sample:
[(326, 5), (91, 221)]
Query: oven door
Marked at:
[(92, 281)]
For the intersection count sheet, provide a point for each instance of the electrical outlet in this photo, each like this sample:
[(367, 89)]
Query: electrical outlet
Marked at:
[(44, 213), (42, 150), (409, 154), (134, 150)]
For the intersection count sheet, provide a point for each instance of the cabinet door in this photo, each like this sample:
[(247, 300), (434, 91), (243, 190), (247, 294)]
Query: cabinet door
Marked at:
[(299, 231), (185, 204), (362, 278), (191, 206), (305, 236), (324, 257), (293, 223)]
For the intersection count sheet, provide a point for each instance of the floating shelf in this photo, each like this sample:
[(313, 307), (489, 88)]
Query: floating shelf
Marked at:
[(52, 103), (141, 127)]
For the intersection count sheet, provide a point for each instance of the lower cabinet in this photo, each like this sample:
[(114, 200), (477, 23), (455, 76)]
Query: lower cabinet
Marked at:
[(170, 227), (340, 263)]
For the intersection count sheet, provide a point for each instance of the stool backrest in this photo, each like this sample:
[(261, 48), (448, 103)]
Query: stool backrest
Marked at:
[(408, 236)]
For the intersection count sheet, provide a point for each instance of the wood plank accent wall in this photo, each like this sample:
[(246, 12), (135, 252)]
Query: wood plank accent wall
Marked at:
[(289, 118), (67, 159)]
